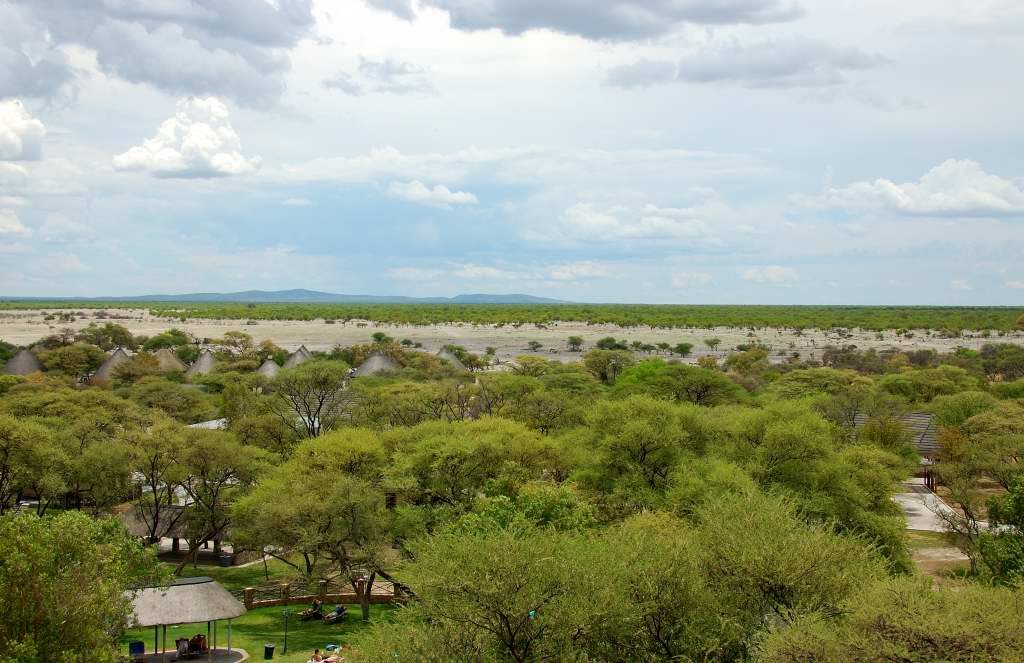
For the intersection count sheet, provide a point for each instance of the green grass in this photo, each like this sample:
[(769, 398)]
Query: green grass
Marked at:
[(263, 625), (919, 539)]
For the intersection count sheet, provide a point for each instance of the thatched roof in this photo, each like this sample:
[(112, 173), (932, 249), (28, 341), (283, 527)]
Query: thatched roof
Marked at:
[(106, 369), (186, 601), (169, 361), (922, 429), (204, 364), (23, 363), (300, 356), (446, 355), (376, 364), (268, 369)]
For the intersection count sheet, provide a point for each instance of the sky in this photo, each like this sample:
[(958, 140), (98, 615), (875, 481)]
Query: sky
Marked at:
[(661, 151)]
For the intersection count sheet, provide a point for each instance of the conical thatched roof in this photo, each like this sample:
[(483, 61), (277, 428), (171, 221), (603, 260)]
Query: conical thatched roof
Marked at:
[(186, 601), (268, 369), (444, 354), (23, 363), (106, 369), (204, 364), (376, 364), (169, 361), (300, 356)]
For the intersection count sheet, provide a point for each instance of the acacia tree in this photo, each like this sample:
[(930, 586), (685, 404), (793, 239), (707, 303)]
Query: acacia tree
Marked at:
[(575, 343), (21, 464), (712, 343), (152, 454), (214, 468), (338, 527), (313, 397), (64, 581)]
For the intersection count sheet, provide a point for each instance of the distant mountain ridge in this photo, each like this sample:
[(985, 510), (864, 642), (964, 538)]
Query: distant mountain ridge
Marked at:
[(298, 296)]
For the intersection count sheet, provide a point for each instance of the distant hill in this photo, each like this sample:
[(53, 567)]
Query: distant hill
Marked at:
[(308, 296)]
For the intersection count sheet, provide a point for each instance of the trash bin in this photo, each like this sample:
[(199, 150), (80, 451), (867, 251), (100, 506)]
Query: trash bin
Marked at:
[(268, 651), (224, 560)]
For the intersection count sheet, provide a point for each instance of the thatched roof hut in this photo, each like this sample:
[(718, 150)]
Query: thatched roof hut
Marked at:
[(107, 368), (299, 357), (376, 364), (269, 369), (186, 601), (23, 363), (446, 355), (202, 366), (169, 361), (922, 429)]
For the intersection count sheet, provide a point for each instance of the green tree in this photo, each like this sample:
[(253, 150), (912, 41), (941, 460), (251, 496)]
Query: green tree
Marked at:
[(107, 336), (606, 365), (683, 349), (712, 343), (64, 581), (312, 398), (215, 469), (904, 619), (76, 360), (575, 343)]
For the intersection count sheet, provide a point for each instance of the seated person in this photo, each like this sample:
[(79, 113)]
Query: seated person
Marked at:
[(336, 614), (314, 610), (316, 657)]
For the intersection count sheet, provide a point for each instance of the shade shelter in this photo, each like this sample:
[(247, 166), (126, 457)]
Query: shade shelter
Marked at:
[(24, 362), (204, 364), (107, 368), (269, 369), (169, 361), (376, 364), (297, 358), (186, 601)]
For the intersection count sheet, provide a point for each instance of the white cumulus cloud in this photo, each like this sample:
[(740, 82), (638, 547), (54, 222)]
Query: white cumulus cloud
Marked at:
[(769, 274), (1016, 285), (198, 141), (21, 134), (11, 226), (439, 196), (953, 188)]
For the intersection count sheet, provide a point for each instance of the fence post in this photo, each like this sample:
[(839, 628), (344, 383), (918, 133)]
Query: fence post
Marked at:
[(323, 590), (285, 590), (247, 597)]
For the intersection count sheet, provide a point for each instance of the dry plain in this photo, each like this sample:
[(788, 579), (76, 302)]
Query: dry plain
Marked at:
[(23, 327)]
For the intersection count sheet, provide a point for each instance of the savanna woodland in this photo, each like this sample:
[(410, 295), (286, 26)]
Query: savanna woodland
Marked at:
[(628, 506)]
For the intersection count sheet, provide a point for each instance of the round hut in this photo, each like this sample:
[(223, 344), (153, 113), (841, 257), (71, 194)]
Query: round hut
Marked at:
[(106, 370), (269, 369), (299, 357), (24, 362), (169, 362), (376, 364), (202, 366)]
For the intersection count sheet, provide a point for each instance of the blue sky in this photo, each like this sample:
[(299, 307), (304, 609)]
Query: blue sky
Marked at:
[(668, 151)]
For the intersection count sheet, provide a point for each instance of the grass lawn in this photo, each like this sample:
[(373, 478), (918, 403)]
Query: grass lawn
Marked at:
[(264, 625), (918, 539)]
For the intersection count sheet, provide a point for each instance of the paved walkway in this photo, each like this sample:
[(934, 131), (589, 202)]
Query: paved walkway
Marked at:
[(920, 505)]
